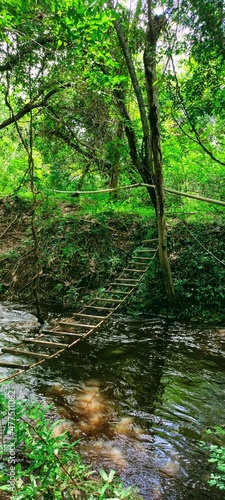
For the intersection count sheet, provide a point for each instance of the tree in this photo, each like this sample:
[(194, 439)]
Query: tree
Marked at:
[(153, 31), (60, 48), (37, 51), (150, 165)]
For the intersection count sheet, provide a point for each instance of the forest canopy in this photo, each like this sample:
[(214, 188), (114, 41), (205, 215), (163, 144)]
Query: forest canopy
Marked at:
[(63, 69)]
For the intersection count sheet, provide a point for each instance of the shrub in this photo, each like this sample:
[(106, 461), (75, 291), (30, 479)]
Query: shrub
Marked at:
[(37, 465), (217, 457)]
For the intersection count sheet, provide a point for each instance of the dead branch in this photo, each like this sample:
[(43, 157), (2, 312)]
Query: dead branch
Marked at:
[(8, 228)]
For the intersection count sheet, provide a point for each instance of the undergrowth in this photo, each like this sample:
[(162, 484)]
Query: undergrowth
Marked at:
[(216, 457), (198, 270), (37, 465), (80, 254)]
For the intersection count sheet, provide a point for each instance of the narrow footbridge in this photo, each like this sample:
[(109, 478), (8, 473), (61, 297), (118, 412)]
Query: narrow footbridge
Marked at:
[(66, 334)]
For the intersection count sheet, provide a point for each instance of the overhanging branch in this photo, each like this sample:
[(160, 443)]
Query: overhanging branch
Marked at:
[(197, 139), (32, 105)]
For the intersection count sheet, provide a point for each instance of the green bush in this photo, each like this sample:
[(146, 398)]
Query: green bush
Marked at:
[(217, 457), (37, 465)]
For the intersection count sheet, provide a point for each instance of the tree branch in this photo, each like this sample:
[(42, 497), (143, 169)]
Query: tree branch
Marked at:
[(142, 184), (32, 105), (13, 59), (73, 142), (193, 128)]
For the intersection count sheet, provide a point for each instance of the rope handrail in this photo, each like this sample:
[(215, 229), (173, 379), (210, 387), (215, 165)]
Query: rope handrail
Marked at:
[(142, 184), (203, 246)]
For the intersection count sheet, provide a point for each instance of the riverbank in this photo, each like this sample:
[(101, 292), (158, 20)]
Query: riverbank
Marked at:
[(78, 254)]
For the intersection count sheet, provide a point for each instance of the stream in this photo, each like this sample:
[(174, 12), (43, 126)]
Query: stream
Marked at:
[(159, 384)]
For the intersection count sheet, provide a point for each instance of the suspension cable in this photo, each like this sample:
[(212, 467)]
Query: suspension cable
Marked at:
[(203, 246)]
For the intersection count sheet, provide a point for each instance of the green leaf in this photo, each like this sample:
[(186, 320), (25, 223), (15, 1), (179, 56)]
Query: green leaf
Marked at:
[(103, 475)]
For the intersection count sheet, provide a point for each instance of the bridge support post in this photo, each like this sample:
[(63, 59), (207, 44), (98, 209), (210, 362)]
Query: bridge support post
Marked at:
[(163, 254)]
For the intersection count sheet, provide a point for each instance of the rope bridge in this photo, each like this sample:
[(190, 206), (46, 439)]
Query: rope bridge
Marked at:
[(66, 334)]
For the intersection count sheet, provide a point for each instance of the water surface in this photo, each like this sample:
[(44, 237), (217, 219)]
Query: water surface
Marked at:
[(167, 379)]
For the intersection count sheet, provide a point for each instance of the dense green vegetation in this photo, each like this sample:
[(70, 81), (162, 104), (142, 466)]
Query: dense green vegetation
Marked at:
[(81, 111), (80, 253), (216, 456), (44, 464)]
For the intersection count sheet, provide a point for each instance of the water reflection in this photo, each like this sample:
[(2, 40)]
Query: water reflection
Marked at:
[(163, 381)]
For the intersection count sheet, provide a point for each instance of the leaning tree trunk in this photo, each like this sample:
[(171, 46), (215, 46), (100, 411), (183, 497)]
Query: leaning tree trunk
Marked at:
[(144, 167), (144, 172), (152, 165), (154, 27)]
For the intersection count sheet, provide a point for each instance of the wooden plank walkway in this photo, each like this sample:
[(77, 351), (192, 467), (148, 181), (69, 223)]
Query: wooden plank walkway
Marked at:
[(66, 334)]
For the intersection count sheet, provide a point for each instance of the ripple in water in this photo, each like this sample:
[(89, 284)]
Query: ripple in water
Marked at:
[(159, 387)]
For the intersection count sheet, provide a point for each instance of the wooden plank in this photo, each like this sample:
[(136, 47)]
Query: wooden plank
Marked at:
[(140, 263), (59, 332), (144, 250), (135, 263), (126, 282), (20, 352), (80, 325), (54, 345), (133, 280), (123, 284), (70, 334), (150, 241), (100, 308), (107, 300), (82, 315), (135, 270), (9, 364), (115, 291), (142, 258)]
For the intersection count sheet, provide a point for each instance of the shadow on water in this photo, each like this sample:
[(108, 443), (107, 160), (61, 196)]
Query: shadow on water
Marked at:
[(140, 393)]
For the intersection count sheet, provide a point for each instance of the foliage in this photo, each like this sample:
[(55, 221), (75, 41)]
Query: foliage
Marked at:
[(64, 79), (216, 457), (198, 269), (66, 62), (198, 275), (45, 465), (79, 253)]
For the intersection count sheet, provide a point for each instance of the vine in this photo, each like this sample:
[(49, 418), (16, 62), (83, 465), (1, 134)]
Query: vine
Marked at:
[(35, 193)]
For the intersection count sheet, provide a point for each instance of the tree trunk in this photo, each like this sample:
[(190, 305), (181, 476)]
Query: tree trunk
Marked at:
[(144, 166), (86, 169), (144, 172), (154, 27), (116, 161), (151, 167)]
